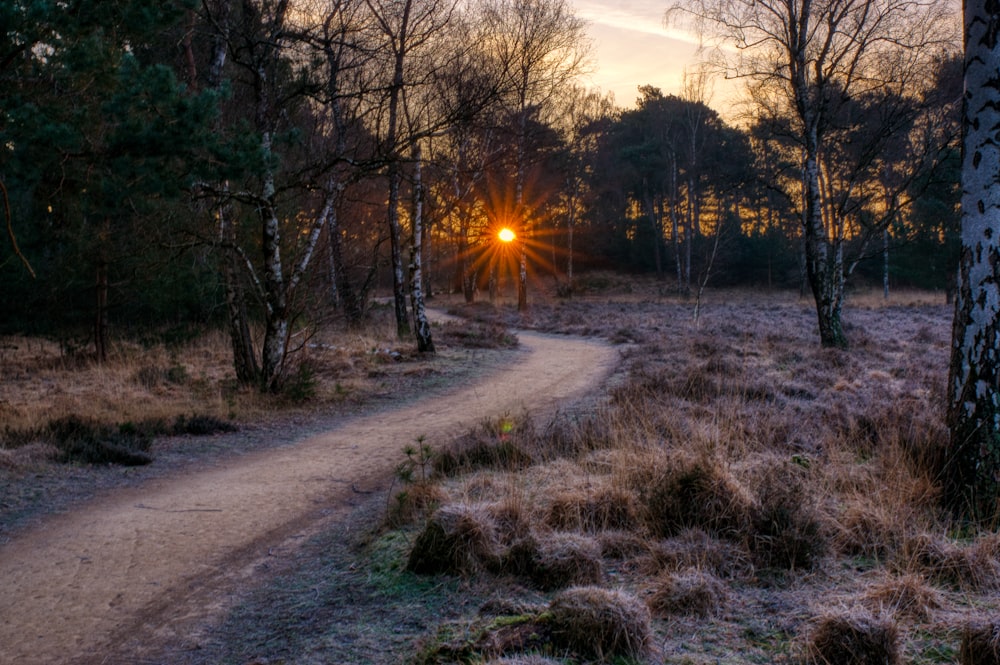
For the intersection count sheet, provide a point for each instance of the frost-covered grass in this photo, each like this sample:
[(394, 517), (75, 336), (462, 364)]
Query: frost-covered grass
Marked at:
[(769, 500)]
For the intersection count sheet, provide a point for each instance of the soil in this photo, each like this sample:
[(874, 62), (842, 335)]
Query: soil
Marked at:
[(119, 577)]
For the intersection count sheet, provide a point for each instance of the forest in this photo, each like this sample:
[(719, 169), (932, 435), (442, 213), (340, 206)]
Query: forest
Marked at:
[(269, 167)]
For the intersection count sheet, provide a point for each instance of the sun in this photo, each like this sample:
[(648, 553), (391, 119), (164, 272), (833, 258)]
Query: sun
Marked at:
[(506, 235)]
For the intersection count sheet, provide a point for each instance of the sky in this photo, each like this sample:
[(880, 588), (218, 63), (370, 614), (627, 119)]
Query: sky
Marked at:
[(631, 47)]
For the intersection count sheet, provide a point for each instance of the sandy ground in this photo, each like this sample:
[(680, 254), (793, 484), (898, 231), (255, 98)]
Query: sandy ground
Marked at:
[(112, 580)]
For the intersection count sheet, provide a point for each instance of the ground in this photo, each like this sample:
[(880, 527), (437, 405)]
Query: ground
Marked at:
[(137, 572)]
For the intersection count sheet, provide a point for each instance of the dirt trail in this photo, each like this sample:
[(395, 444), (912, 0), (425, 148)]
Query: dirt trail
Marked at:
[(138, 566)]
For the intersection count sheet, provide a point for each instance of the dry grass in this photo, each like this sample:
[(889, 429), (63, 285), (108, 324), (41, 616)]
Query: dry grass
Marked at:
[(853, 638), (692, 592), (981, 643), (601, 623), (738, 469), (44, 382), (779, 479), (906, 597), (457, 539)]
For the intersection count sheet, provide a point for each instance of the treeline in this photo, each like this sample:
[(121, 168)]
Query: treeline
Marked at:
[(266, 165)]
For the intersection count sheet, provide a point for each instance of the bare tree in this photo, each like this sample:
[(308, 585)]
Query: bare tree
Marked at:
[(269, 51), (405, 29), (972, 475), (544, 48), (582, 114), (805, 60)]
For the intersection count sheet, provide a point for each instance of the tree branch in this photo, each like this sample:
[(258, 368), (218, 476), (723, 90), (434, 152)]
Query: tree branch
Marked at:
[(10, 231)]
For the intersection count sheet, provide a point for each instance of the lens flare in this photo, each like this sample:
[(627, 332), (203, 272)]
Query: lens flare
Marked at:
[(506, 235)]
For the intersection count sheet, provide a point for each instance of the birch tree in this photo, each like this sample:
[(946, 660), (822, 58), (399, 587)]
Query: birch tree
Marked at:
[(293, 185), (543, 47), (972, 475), (808, 59), (405, 31)]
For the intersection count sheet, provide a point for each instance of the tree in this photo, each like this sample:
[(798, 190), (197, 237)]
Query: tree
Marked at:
[(972, 475), (283, 82), (584, 116), (542, 47), (806, 60), (101, 142)]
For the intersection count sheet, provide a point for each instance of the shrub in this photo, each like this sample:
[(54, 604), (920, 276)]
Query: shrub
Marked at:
[(600, 622), (415, 501), (854, 638), (202, 425), (89, 442)]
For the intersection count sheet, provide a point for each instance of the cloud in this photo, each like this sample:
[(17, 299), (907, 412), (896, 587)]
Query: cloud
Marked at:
[(637, 16)]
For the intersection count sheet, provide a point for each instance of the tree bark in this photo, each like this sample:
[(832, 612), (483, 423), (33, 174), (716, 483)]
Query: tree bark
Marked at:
[(101, 311), (972, 474), (244, 356), (824, 263), (395, 175), (885, 263), (425, 342)]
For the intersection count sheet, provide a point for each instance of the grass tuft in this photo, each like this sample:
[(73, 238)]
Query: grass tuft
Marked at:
[(689, 592), (564, 559), (458, 540), (601, 623), (980, 643), (854, 638), (697, 493)]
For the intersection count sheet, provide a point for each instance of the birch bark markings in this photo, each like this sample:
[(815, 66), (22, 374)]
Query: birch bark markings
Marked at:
[(972, 475)]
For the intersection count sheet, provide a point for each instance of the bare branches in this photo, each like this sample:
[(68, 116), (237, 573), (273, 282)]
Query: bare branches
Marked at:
[(10, 230)]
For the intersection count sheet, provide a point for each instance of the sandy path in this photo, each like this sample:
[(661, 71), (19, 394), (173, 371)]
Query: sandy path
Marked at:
[(135, 567)]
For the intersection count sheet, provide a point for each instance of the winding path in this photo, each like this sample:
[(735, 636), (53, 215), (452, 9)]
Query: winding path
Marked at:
[(135, 566)]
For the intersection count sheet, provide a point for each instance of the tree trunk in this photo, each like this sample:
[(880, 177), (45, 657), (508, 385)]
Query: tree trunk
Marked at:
[(347, 297), (396, 245), (972, 474), (522, 263), (494, 282), (395, 177), (425, 343), (522, 279), (674, 226), (885, 263), (275, 299), (647, 202), (244, 356), (824, 264), (570, 226), (101, 311)]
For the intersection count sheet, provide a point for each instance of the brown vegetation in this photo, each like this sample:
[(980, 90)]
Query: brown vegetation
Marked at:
[(854, 638), (738, 469), (736, 479), (601, 623)]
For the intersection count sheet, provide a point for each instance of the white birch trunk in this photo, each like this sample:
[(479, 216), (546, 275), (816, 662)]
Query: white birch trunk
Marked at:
[(972, 475), (425, 343)]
